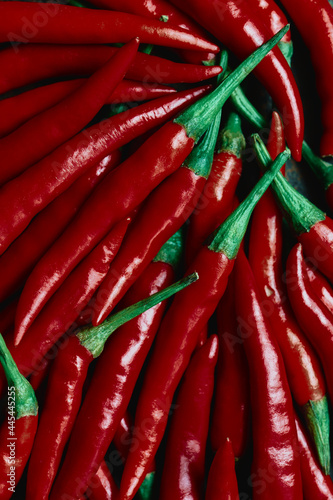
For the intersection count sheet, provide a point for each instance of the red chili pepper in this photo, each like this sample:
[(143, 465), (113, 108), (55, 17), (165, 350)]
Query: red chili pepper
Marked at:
[(184, 465), (231, 411), (219, 190), (303, 369), (102, 486), (316, 485), (275, 466), (48, 130), (162, 214), (158, 157), (313, 228), (314, 21), (178, 334), (33, 63), (108, 398), (74, 157), (21, 22), (225, 18), (18, 430), (314, 318), (320, 286), (15, 111), (222, 481), (24, 253)]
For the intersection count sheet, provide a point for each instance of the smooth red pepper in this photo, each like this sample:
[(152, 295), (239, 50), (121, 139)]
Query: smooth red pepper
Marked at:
[(222, 481), (74, 157), (225, 18), (24, 253), (158, 157), (316, 485), (162, 214), (231, 411), (105, 404), (313, 316), (48, 130), (15, 111), (218, 193), (320, 285), (184, 464), (275, 467), (65, 24), (19, 428), (179, 331), (304, 373), (102, 486)]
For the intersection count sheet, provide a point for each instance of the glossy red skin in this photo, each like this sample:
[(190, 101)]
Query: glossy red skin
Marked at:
[(315, 484), (158, 157), (318, 246), (102, 486), (25, 430), (23, 254), (215, 199), (231, 412), (313, 316), (273, 425), (272, 15), (122, 436), (33, 63), (37, 138), (225, 18), (63, 399), (163, 213), (15, 111), (175, 343), (105, 403), (222, 481), (67, 24), (314, 21), (74, 157), (320, 285), (184, 465)]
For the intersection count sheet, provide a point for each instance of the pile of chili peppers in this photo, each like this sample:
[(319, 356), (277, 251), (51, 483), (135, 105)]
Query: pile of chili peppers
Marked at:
[(166, 250)]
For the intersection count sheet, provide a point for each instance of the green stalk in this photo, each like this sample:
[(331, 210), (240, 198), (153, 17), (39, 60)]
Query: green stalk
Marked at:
[(298, 210), (173, 250), (232, 139), (146, 489), (25, 399), (197, 118), (228, 237), (94, 338)]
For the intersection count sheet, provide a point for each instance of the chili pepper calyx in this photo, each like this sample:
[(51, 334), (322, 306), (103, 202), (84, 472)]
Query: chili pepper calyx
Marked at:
[(173, 250), (298, 210), (232, 139), (317, 418), (145, 491), (94, 338), (25, 399), (228, 237), (197, 117)]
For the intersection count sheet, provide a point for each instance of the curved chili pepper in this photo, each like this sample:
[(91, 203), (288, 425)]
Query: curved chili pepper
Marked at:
[(15, 111), (158, 157), (320, 285), (314, 318), (302, 366), (222, 481), (163, 213), (18, 430), (184, 465), (314, 21), (219, 189), (178, 334), (104, 415), (313, 228), (316, 485), (73, 158), (102, 486), (66, 24), (33, 63), (231, 411), (225, 18), (275, 466), (24, 253), (37, 138)]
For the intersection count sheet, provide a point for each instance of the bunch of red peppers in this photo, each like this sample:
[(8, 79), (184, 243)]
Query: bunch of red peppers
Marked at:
[(166, 250)]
